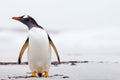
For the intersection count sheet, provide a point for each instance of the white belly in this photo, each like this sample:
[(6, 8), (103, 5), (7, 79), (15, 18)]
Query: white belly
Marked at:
[(39, 52)]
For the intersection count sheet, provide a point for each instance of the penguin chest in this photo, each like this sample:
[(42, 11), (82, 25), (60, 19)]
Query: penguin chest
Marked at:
[(39, 52)]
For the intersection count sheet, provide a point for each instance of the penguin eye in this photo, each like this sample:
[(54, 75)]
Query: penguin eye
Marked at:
[(27, 19)]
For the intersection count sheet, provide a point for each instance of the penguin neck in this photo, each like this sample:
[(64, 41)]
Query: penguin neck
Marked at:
[(34, 25)]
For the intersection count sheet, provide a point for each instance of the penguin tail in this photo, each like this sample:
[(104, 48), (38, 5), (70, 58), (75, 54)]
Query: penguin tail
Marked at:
[(39, 74)]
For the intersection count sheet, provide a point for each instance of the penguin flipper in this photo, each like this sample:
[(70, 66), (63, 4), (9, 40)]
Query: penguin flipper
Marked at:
[(22, 50), (54, 48)]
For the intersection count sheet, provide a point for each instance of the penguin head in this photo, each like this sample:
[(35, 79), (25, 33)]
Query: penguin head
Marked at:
[(27, 20)]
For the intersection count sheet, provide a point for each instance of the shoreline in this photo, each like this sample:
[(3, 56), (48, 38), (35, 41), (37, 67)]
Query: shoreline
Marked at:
[(55, 63)]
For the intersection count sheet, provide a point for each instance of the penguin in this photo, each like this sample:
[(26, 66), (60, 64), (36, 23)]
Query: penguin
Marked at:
[(39, 46)]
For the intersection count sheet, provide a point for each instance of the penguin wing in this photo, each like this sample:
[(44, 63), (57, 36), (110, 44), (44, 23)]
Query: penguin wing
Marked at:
[(54, 48), (22, 50)]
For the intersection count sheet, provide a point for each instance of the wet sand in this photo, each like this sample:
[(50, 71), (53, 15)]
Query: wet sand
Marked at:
[(66, 71)]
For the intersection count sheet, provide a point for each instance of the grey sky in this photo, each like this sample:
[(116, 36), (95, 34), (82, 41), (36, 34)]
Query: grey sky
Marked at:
[(59, 14)]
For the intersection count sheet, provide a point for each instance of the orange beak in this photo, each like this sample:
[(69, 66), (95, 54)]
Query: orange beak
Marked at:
[(17, 18)]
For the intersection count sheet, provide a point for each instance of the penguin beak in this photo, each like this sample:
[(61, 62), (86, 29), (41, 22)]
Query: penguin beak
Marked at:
[(17, 18)]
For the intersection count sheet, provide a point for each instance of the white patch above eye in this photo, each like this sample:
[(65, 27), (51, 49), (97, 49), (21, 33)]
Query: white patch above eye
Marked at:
[(25, 16)]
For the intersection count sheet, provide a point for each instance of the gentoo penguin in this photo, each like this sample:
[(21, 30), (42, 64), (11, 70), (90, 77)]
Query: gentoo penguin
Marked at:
[(39, 46)]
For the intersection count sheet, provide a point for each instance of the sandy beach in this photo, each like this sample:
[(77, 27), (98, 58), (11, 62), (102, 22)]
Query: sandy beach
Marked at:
[(66, 71)]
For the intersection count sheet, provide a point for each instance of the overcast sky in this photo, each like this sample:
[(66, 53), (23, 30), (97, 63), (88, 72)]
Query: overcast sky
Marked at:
[(59, 14)]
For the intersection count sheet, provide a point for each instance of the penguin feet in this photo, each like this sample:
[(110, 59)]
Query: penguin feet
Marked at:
[(46, 74), (33, 74)]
